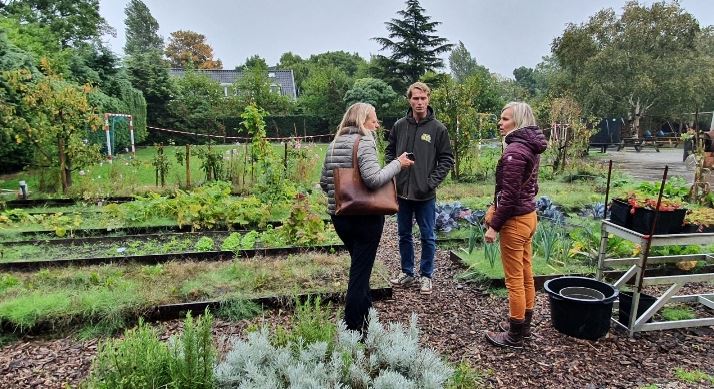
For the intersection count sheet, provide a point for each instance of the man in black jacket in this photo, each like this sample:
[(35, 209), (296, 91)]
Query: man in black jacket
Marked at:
[(424, 136)]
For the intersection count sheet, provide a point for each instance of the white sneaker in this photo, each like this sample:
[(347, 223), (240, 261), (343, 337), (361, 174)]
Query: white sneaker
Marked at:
[(404, 280), (425, 285)]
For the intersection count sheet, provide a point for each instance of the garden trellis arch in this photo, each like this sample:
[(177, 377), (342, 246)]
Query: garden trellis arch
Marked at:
[(106, 131)]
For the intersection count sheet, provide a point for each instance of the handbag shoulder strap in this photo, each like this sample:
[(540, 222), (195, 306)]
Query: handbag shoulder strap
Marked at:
[(354, 151)]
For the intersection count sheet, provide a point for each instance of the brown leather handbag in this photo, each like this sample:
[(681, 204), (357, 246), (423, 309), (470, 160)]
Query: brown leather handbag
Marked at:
[(353, 197)]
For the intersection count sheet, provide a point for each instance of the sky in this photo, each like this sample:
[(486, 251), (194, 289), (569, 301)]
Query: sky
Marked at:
[(501, 34)]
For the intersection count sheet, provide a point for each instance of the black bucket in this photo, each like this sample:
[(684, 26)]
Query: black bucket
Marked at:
[(646, 301), (580, 318)]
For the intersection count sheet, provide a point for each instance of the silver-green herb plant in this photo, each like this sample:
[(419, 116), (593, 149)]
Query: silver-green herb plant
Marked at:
[(388, 357)]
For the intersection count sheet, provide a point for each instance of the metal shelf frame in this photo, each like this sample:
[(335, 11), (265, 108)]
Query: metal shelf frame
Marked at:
[(637, 269)]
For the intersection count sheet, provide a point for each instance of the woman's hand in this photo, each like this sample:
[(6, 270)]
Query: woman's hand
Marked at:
[(490, 235), (404, 161)]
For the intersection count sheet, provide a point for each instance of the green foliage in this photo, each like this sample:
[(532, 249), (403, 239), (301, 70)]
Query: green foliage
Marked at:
[(204, 244), (304, 226), (148, 73), (232, 242), (311, 323), (413, 42), (465, 377), (71, 21), (693, 376), (141, 360), (466, 109), (389, 358), (323, 92), (211, 162), (198, 103), (550, 240), (142, 29), (238, 309), (161, 164), (676, 188), (375, 92), (613, 62), (681, 312), (254, 87)]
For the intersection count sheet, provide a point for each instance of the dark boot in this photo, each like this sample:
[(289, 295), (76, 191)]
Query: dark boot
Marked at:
[(512, 338), (526, 324)]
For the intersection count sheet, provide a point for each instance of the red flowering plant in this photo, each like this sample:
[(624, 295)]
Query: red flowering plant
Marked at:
[(638, 201)]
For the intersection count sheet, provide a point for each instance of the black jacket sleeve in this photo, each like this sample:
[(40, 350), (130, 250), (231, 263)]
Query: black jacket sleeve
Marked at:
[(391, 150), (444, 160)]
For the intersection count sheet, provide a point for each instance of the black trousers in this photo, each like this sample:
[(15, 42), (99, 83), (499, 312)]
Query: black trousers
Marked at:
[(361, 235)]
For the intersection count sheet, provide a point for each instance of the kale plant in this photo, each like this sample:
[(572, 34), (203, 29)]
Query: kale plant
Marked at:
[(548, 210)]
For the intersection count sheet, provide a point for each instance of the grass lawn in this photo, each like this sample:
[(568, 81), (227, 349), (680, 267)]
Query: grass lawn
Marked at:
[(123, 177)]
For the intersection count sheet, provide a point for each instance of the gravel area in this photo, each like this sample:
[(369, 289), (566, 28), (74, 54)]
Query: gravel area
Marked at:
[(452, 321)]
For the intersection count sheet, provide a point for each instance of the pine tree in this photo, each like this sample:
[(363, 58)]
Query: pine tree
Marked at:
[(413, 43), (141, 29)]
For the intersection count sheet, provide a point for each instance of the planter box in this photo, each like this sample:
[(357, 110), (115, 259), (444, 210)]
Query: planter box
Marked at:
[(696, 229), (669, 222), (620, 213)]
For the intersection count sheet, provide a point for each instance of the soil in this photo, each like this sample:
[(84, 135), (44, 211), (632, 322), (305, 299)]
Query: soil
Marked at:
[(452, 321)]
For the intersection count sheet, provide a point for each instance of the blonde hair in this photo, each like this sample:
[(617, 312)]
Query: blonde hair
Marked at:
[(355, 116), (418, 85), (522, 114)]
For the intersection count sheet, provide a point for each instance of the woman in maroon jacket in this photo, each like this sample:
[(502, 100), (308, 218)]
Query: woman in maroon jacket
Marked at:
[(515, 217)]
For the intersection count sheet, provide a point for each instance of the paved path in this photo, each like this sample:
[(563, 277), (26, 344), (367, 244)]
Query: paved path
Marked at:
[(648, 164)]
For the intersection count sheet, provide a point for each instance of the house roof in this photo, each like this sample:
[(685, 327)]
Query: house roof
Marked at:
[(284, 78)]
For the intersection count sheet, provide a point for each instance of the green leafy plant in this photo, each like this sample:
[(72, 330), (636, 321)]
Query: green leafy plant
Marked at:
[(311, 323), (204, 244), (161, 165), (141, 360), (548, 239), (304, 226), (465, 377), (232, 242)]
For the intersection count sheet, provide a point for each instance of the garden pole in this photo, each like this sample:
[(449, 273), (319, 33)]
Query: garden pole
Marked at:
[(643, 261), (131, 135), (109, 142), (607, 191)]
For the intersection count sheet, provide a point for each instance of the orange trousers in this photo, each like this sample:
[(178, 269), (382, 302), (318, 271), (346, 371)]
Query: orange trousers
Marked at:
[(516, 237)]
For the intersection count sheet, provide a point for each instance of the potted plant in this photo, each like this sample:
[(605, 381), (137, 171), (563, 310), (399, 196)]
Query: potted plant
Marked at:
[(643, 210), (699, 220)]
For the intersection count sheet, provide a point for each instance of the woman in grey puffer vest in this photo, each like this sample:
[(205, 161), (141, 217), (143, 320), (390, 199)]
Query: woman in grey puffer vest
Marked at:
[(360, 233)]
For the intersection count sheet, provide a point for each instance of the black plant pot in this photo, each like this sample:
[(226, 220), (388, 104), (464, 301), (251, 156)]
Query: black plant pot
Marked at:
[(646, 301), (584, 319), (669, 222)]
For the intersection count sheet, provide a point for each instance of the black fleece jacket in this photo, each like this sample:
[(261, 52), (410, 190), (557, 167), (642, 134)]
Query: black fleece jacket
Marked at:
[(433, 158)]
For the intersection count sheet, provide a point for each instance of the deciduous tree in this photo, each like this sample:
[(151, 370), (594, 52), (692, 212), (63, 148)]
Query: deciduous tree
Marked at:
[(189, 47), (645, 61)]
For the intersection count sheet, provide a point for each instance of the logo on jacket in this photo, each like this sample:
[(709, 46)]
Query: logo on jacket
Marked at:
[(426, 138)]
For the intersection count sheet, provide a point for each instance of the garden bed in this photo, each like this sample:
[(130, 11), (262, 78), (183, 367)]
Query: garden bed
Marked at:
[(114, 293)]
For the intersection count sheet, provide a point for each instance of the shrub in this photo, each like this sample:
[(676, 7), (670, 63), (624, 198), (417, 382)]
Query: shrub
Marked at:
[(389, 358), (141, 360)]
